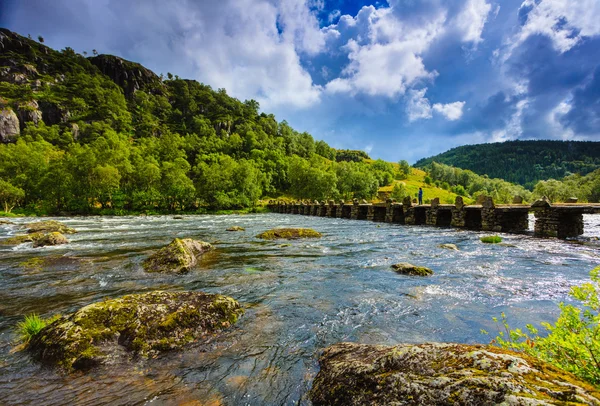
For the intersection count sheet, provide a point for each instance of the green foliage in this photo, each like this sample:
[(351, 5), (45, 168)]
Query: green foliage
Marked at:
[(403, 170), (523, 162), (464, 182), (10, 195), (491, 239), (351, 155), (31, 325), (584, 188), (399, 192), (571, 343)]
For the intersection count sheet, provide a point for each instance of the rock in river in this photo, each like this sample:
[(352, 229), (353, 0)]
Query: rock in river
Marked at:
[(177, 257), (449, 246), (49, 226), (54, 238), (134, 325), (405, 268), (236, 228), (289, 234), (442, 374)]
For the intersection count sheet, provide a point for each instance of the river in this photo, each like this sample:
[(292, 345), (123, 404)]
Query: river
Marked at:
[(299, 296)]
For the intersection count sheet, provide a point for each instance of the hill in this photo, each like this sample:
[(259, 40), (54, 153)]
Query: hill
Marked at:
[(523, 162)]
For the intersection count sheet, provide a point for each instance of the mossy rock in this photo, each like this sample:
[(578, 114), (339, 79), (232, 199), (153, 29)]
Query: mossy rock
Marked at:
[(49, 226), (491, 239), (405, 268), (21, 239), (442, 374), (6, 222), (449, 247), (236, 228), (54, 238), (289, 234), (134, 325), (177, 257)]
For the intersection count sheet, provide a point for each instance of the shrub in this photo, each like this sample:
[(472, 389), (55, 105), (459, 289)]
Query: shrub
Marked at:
[(491, 239), (572, 342)]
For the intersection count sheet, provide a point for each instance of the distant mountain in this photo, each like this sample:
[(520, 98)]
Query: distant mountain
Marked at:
[(523, 162)]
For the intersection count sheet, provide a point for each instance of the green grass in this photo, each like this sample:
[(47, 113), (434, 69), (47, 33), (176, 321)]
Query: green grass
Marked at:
[(5, 214), (491, 239), (31, 325)]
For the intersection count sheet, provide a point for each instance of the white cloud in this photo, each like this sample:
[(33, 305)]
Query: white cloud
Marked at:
[(452, 111), (566, 22), (417, 105), (513, 129), (471, 20)]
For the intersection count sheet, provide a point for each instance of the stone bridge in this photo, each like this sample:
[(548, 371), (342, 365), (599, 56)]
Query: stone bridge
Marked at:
[(551, 220)]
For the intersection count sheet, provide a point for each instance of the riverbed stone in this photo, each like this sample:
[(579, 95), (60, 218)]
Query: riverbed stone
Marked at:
[(449, 247), (177, 257), (6, 222), (236, 228), (49, 226), (405, 268), (54, 238), (21, 239), (289, 234), (133, 325), (442, 374)]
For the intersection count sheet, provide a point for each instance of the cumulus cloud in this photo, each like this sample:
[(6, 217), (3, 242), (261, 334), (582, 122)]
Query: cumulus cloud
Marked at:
[(452, 111), (471, 20)]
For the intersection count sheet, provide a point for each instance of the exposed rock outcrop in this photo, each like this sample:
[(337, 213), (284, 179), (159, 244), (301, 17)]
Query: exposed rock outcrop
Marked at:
[(405, 268), (236, 228), (9, 125), (449, 246), (177, 257), (29, 112), (442, 374), (142, 324), (289, 234), (54, 238)]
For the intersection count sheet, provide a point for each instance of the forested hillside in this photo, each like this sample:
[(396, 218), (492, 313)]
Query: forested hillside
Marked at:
[(100, 134), (523, 162)]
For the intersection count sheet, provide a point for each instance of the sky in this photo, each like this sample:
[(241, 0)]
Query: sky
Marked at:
[(399, 79)]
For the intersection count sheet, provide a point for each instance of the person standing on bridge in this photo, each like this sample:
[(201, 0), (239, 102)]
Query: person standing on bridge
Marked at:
[(420, 196)]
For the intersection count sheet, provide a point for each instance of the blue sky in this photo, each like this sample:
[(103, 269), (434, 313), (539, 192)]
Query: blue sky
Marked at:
[(401, 79)]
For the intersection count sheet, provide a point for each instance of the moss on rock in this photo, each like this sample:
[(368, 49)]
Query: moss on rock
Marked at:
[(442, 374), (491, 239), (136, 325), (20, 239), (49, 226), (177, 257), (54, 238), (289, 234), (405, 268)]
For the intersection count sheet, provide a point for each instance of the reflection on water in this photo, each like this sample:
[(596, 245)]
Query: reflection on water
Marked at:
[(299, 298)]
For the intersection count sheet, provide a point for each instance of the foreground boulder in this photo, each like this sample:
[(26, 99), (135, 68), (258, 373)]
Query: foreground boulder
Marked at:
[(20, 239), (177, 257), (54, 238), (442, 374), (49, 226), (289, 234), (405, 268), (134, 325)]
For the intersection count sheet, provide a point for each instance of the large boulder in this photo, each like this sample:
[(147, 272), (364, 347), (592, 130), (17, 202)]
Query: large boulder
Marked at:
[(54, 238), (177, 257), (29, 112), (9, 125), (134, 325), (405, 268), (21, 239), (442, 374), (49, 226), (289, 234)]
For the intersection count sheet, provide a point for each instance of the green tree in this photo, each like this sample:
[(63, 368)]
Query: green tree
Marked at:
[(10, 195)]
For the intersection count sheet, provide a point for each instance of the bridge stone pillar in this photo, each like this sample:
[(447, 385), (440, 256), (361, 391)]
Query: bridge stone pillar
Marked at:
[(389, 210), (459, 214), (331, 209), (556, 221), (339, 209), (355, 210), (432, 212), (322, 209), (314, 208), (371, 212), (489, 221), (409, 211)]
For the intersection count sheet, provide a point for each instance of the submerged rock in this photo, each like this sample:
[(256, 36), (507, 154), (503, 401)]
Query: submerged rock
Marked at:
[(449, 247), (49, 226), (405, 268), (177, 257), (442, 374), (54, 238), (6, 222), (289, 234), (134, 325), (236, 228), (20, 239)]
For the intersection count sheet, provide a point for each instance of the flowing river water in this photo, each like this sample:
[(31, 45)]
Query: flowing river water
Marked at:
[(299, 296)]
